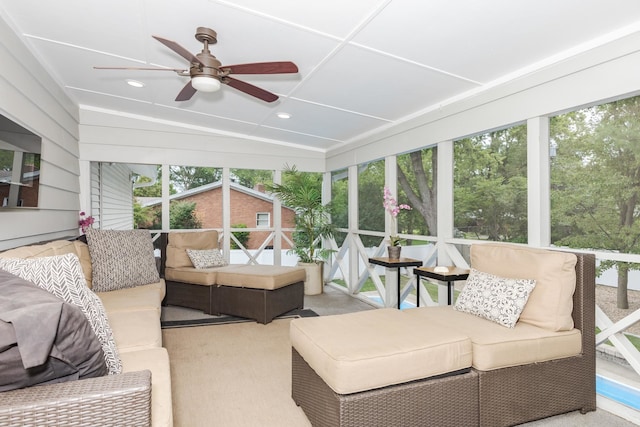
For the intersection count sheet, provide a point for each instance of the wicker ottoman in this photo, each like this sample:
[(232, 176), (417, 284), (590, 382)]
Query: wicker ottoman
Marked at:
[(376, 368), (260, 292)]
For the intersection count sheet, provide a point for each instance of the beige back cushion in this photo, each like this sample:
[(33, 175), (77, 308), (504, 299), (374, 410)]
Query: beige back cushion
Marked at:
[(180, 241), (551, 303), (56, 247)]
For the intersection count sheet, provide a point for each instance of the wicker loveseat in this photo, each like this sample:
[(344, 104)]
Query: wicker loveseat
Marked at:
[(440, 366), (139, 396), (259, 292)]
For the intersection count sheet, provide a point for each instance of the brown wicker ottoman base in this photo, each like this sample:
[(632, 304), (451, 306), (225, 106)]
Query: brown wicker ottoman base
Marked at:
[(262, 305), (445, 401), (198, 297)]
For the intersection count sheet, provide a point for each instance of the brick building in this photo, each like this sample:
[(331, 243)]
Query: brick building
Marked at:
[(251, 207)]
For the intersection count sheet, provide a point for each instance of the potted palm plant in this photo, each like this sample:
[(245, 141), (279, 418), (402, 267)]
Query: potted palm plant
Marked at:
[(302, 192)]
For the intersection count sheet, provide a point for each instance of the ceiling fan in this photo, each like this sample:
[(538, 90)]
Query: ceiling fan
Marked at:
[(207, 73)]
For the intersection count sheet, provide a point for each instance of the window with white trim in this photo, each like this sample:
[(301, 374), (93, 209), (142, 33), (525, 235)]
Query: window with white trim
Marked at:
[(263, 219)]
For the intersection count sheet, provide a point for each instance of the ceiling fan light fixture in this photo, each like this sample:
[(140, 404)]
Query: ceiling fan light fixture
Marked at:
[(205, 83)]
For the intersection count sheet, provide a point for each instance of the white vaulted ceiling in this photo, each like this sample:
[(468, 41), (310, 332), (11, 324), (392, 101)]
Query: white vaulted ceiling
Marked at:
[(364, 65)]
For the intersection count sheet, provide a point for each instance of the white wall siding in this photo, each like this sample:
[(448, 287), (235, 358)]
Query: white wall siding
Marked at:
[(111, 196), (30, 97)]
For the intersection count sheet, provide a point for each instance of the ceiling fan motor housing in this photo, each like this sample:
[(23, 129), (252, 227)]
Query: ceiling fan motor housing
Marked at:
[(211, 67)]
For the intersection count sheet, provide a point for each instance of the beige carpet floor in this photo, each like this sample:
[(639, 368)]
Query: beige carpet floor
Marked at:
[(236, 375)]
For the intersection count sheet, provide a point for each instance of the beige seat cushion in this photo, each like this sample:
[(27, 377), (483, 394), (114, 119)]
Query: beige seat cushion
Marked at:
[(267, 277), (377, 348), (136, 329), (204, 276), (551, 303), (495, 346), (179, 242), (157, 361)]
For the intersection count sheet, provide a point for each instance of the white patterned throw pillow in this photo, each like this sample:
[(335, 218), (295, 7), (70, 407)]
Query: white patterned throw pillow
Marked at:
[(62, 276), (494, 298), (206, 258), (121, 259)]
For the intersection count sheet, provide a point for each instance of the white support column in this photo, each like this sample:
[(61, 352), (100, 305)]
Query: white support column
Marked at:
[(354, 260), (226, 211), (166, 175), (538, 182), (326, 198), (445, 208), (391, 228), (85, 187), (277, 222), (391, 181)]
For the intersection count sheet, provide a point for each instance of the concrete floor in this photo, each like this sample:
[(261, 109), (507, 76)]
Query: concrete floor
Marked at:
[(335, 301)]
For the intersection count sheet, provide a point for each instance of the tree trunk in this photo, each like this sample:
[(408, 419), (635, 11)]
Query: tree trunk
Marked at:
[(425, 200), (623, 279)]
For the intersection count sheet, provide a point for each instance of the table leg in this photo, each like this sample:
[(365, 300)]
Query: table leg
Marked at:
[(398, 270), (450, 292), (418, 291)]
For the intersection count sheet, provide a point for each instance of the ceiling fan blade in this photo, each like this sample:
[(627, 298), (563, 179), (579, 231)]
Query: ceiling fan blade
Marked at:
[(179, 50), (186, 93), (177, 70), (262, 68), (250, 89)]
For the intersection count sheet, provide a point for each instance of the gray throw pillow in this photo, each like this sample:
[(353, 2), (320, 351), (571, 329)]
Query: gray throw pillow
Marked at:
[(206, 258), (121, 259), (63, 277)]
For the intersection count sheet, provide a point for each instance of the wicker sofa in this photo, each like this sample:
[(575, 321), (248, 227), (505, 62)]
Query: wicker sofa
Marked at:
[(440, 366), (139, 396)]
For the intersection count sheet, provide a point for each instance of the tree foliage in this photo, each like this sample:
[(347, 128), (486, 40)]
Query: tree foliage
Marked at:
[(596, 182), (251, 177), (182, 215), (188, 177), (242, 236), (490, 185)]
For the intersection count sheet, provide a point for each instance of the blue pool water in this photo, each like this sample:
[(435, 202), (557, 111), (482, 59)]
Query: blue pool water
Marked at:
[(617, 391)]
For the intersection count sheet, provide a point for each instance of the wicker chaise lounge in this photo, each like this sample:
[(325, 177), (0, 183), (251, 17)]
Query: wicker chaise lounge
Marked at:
[(559, 378)]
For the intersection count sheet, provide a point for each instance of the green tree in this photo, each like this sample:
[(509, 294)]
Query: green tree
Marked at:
[(143, 217), (251, 177), (188, 177), (417, 172), (597, 183), (490, 185), (182, 215), (242, 236), (152, 190), (370, 191)]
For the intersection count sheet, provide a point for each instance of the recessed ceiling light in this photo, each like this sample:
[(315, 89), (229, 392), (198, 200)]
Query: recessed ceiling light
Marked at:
[(135, 83), (284, 115)]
